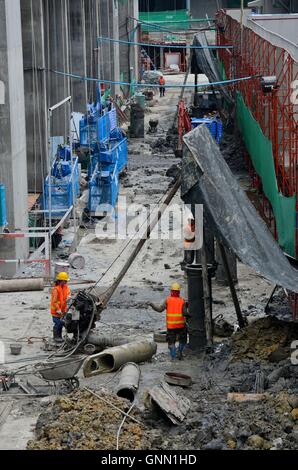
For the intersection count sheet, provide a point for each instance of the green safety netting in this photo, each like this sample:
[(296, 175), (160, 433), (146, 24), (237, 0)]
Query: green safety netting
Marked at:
[(164, 19), (260, 151)]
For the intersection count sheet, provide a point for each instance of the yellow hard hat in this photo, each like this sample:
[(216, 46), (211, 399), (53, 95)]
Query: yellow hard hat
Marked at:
[(62, 277), (176, 287)]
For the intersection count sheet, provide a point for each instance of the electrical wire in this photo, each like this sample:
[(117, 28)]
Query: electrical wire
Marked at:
[(161, 46), (147, 85), (122, 423)]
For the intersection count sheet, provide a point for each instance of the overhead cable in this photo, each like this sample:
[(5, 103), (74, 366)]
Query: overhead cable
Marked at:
[(162, 46), (151, 85)]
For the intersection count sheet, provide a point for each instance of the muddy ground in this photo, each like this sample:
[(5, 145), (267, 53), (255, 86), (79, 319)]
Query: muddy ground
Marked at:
[(213, 421)]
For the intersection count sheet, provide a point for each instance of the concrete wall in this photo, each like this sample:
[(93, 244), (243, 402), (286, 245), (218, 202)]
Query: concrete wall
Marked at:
[(35, 86), (78, 56), (13, 168), (56, 35), (57, 58), (129, 56), (93, 19), (283, 25), (62, 35), (265, 29)]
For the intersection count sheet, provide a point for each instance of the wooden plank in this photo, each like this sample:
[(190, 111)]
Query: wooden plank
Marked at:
[(243, 397), (173, 405)]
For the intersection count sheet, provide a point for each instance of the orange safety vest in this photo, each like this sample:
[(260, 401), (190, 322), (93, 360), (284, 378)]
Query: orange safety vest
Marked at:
[(59, 297), (162, 81), (175, 318)]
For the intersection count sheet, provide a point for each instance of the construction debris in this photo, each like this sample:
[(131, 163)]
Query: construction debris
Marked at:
[(84, 422), (77, 261), (267, 339), (166, 399), (242, 397)]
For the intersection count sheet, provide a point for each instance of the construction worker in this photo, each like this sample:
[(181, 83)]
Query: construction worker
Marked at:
[(59, 304), (192, 238), (162, 83), (176, 309), (189, 242)]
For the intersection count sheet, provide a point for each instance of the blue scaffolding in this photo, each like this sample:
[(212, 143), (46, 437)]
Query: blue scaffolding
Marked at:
[(107, 145)]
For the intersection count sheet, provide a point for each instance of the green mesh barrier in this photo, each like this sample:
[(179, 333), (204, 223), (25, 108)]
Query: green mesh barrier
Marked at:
[(260, 151), (164, 19), (222, 69), (133, 88)]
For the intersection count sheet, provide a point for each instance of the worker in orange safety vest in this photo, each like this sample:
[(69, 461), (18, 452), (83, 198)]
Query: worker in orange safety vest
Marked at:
[(176, 308), (162, 89), (59, 304)]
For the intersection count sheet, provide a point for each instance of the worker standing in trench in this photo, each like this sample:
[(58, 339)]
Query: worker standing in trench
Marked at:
[(162, 87), (176, 308), (59, 304)]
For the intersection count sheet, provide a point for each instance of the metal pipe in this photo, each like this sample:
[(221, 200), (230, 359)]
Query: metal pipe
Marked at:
[(196, 322), (21, 285), (112, 359), (207, 298), (58, 105), (129, 381)]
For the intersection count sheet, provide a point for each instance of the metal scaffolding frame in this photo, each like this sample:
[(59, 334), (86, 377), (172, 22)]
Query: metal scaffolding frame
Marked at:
[(275, 112)]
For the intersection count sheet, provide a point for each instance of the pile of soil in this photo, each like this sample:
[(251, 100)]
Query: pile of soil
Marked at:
[(217, 424), (82, 421), (266, 339)]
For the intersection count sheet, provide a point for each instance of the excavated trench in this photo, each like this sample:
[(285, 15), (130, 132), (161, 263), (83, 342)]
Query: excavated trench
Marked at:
[(82, 421)]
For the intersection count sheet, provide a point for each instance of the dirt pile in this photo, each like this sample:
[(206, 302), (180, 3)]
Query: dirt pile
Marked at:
[(217, 424), (265, 339), (81, 421)]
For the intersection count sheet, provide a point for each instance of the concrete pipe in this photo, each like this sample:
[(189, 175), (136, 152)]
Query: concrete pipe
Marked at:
[(113, 358), (21, 285), (104, 342), (76, 261), (129, 381)]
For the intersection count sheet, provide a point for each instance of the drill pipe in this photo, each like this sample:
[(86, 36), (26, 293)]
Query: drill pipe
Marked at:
[(103, 299)]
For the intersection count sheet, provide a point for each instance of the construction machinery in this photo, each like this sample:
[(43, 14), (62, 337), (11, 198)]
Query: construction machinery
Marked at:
[(62, 186)]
